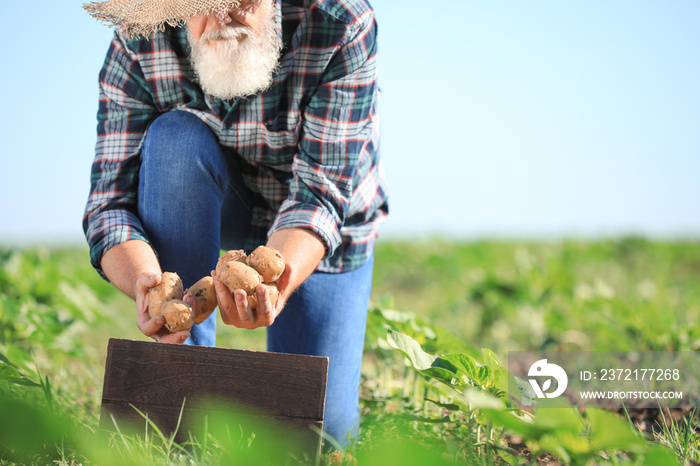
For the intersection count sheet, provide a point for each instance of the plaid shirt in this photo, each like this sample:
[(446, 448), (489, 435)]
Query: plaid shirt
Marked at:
[(308, 144)]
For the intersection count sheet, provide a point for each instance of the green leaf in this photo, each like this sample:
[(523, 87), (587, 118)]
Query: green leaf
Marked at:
[(428, 364), (610, 432), (7, 370), (4, 360), (490, 358), (27, 430), (450, 406), (552, 444), (411, 350), (501, 378), (403, 451), (514, 423), (573, 444), (456, 370), (465, 364), (658, 454), (21, 381), (524, 392), (12, 375), (562, 418), (480, 399)]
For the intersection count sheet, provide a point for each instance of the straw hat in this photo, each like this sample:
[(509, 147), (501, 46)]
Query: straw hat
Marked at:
[(143, 17)]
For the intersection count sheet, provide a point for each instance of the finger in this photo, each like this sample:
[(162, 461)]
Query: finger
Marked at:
[(143, 283), (148, 280), (245, 313), (149, 326), (178, 337), (266, 309), (191, 300), (227, 306)]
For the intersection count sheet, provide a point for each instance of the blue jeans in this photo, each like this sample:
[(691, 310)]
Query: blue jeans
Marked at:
[(189, 190)]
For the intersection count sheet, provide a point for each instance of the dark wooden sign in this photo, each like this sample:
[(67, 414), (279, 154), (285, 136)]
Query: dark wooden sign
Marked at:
[(156, 378)]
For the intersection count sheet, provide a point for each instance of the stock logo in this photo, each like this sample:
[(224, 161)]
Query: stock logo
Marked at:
[(543, 369)]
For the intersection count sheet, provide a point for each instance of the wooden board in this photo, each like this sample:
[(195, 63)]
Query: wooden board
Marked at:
[(287, 390)]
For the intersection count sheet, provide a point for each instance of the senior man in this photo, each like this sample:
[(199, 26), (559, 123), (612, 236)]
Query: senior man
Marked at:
[(230, 124)]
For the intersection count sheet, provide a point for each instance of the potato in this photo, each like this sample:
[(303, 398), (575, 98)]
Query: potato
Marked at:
[(170, 287), (205, 294), (236, 275), (233, 255), (271, 288), (178, 315), (268, 262)]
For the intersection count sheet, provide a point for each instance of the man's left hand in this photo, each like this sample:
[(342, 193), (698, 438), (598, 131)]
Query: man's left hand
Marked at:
[(302, 251), (235, 309)]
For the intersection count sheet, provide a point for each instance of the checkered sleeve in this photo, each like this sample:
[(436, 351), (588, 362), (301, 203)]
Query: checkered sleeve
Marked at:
[(336, 123), (125, 110)]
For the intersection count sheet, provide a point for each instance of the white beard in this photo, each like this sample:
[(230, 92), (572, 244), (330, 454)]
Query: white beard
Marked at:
[(234, 68)]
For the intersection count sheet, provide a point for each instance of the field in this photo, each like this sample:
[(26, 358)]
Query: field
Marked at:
[(56, 315)]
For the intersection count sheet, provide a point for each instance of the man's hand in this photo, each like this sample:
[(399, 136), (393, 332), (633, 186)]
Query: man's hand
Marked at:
[(302, 251), (153, 327), (133, 268), (235, 309)]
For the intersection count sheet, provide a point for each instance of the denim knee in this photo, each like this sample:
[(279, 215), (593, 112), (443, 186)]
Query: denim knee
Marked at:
[(180, 148)]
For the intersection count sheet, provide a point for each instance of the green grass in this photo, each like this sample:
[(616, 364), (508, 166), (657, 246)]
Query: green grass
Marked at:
[(56, 315), (612, 295)]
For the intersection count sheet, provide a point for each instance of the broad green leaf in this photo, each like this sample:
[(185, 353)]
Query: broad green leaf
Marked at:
[(480, 399), (4, 360), (419, 359), (26, 430), (7, 371), (500, 375), (572, 443), (514, 423), (490, 358), (610, 432), (465, 364), (402, 452), (443, 375), (408, 323), (657, 454), (445, 368), (551, 445), (524, 393), (558, 415), (411, 350), (508, 458)]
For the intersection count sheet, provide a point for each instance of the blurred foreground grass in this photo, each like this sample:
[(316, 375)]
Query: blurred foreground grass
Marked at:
[(56, 315)]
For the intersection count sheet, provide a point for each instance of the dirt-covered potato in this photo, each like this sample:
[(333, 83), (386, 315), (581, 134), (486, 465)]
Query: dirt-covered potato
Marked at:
[(233, 255), (205, 294), (178, 315), (271, 288), (170, 287), (236, 275), (268, 262)]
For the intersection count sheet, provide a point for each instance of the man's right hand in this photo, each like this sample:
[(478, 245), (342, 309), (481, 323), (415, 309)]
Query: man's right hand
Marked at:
[(135, 262), (153, 326)]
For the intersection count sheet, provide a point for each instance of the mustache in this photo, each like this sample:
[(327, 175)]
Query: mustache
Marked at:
[(227, 33)]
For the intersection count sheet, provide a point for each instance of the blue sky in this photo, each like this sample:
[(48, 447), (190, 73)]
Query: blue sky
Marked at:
[(536, 119)]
